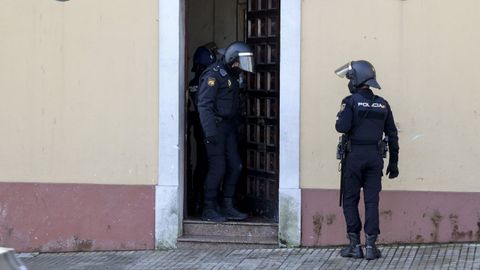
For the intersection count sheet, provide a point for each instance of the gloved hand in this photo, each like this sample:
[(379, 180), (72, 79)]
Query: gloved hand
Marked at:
[(211, 140), (392, 169)]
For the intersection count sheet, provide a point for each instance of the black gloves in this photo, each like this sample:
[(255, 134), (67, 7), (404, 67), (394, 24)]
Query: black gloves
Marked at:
[(211, 140), (392, 169)]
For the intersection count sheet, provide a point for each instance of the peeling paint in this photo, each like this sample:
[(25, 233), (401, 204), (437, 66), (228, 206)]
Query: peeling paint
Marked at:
[(317, 226), (419, 239), (478, 231), (82, 245), (331, 219), (456, 234), (436, 218), (386, 214)]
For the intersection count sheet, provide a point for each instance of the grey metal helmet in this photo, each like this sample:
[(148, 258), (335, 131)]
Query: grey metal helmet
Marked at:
[(242, 53), (360, 73)]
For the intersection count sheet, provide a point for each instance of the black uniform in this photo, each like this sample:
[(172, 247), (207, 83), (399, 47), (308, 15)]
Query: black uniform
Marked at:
[(218, 107), (365, 117), (201, 166)]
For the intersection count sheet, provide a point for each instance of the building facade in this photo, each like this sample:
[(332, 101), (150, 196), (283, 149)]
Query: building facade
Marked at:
[(93, 119)]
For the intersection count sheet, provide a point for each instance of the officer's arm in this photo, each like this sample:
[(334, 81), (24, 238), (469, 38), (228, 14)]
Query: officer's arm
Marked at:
[(207, 93), (391, 131), (345, 116)]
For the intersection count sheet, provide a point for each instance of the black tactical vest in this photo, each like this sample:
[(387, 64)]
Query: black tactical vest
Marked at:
[(369, 115)]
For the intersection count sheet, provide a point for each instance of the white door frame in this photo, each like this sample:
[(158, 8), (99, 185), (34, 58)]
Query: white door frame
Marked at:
[(169, 192)]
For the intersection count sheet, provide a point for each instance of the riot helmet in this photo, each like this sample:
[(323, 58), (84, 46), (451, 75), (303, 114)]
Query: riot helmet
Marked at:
[(359, 73), (202, 58), (239, 52)]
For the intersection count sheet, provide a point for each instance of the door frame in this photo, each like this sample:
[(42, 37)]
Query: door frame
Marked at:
[(169, 191)]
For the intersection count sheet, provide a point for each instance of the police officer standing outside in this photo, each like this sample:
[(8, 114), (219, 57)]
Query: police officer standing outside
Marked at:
[(364, 118), (219, 110)]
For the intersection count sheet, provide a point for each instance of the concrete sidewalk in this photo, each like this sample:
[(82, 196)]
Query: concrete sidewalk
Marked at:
[(448, 256)]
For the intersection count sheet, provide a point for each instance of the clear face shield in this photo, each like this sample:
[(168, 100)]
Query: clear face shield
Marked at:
[(245, 61), (343, 70)]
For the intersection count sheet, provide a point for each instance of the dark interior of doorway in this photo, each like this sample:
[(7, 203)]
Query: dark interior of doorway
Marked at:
[(257, 23)]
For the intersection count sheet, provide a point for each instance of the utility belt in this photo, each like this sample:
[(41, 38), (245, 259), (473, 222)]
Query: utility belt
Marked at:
[(346, 145)]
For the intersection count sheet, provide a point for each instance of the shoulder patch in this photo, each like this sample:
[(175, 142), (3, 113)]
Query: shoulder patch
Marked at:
[(223, 72), (211, 81)]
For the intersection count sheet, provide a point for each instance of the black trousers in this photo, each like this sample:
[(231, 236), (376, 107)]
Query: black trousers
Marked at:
[(363, 169), (224, 162), (201, 167)]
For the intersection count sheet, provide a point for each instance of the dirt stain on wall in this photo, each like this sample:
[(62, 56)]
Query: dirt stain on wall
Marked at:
[(317, 226), (456, 233), (436, 218)]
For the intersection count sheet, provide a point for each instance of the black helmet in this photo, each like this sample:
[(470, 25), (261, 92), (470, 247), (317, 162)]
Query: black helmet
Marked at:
[(202, 58), (359, 73), (239, 52)]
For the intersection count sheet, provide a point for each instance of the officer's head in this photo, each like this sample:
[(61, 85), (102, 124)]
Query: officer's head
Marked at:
[(202, 58), (360, 73), (239, 56)]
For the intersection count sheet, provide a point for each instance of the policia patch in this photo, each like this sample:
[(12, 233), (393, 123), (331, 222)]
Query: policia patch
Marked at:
[(211, 82)]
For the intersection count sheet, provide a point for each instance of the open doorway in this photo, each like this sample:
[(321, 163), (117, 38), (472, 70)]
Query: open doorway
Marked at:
[(256, 22)]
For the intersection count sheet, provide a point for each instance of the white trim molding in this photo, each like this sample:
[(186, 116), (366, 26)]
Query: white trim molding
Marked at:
[(290, 67), (169, 189)]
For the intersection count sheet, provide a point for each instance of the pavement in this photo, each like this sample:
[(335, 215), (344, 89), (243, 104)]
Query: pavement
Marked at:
[(444, 256)]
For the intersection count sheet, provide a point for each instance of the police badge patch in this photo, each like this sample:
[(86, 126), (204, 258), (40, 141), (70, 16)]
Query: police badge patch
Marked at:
[(342, 107), (211, 81)]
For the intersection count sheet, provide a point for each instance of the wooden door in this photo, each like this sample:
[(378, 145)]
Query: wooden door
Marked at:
[(262, 105)]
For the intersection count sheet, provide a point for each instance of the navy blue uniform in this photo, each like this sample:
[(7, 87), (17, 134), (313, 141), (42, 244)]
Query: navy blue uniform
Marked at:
[(218, 107), (195, 188), (365, 117)]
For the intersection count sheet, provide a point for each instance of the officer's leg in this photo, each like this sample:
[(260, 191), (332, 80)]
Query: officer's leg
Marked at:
[(371, 191), (216, 171), (234, 169), (201, 167), (351, 196), (234, 163)]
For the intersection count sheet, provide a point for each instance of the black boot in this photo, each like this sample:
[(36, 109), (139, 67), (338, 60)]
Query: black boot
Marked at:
[(371, 250), (354, 249), (230, 212), (210, 212)]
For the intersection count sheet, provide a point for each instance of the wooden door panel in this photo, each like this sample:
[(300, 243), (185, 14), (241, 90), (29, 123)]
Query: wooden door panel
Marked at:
[(262, 108)]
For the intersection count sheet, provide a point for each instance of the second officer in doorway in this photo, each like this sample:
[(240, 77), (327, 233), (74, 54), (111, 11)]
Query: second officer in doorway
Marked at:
[(203, 57), (219, 111), (363, 119)]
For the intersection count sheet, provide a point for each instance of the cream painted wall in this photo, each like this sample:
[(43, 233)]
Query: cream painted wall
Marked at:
[(78, 91), (425, 53)]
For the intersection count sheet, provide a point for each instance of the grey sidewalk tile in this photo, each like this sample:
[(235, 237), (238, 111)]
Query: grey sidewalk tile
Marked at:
[(446, 256)]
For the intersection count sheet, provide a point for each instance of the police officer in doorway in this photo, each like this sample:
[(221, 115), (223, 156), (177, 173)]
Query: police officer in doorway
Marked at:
[(364, 118), (203, 57), (219, 110)]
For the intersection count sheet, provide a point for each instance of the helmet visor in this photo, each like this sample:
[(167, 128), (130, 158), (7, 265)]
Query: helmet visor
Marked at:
[(245, 60), (343, 70)]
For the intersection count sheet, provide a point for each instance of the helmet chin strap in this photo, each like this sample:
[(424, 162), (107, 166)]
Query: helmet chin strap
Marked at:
[(352, 87)]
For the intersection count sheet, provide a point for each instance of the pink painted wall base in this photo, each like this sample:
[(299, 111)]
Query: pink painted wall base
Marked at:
[(76, 217), (405, 217)]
